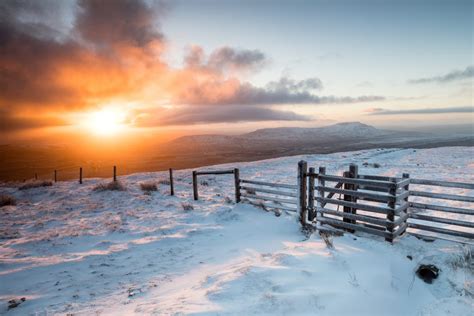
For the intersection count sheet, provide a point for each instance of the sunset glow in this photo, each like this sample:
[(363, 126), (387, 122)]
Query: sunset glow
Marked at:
[(105, 122)]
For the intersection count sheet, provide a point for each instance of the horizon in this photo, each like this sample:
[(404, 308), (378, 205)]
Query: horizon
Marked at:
[(131, 70)]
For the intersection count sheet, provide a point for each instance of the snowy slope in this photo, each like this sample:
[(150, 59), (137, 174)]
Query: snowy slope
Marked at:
[(69, 250)]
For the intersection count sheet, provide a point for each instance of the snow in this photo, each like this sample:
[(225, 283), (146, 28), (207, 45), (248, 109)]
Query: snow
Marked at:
[(69, 250)]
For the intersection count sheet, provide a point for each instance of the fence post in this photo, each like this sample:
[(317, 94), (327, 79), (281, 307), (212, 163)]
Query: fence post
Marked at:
[(237, 185), (55, 176), (321, 183), (80, 175), (36, 176), (354, 173), (302, 210), (405, 200), (195, 186), (391, 214), (171, 182), (347, 209), (311, 211), (115, 173)]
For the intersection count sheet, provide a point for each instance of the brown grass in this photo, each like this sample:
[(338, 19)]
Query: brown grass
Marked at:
[(164, 182), (148, 186), (35, 184), (187, 206), (111, 186), (7, 200)]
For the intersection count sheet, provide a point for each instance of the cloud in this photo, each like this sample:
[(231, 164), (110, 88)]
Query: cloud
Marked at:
[(10, 122), (460, 109), (451, 76), (70, 56), (284, 91), (210, 114)]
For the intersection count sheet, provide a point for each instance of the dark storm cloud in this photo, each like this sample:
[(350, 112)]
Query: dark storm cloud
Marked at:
[(186, 115), (451, 76), (460, 109)]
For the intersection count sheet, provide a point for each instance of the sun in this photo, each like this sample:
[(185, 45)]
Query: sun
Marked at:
[(105, 122)]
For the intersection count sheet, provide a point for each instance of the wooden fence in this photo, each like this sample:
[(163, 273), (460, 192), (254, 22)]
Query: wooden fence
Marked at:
[(377, 205), (428, 214), (234, 171)]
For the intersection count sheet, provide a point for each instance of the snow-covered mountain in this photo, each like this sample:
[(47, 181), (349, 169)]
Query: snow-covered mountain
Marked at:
[(348, 130), (344, 130)]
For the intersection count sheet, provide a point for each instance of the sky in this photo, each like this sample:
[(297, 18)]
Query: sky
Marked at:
[(145, 68)]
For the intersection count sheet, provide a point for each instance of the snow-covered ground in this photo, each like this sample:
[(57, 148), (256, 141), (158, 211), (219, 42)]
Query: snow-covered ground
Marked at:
[(69, 250)]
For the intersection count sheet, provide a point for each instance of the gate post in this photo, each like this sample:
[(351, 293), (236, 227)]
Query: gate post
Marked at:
[(302, 209), (195, 186), (311, 210), (319, 202), (391, 213)]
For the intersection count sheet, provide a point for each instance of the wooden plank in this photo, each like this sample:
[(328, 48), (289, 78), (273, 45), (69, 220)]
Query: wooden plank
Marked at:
[(356, 227), (364, 207), (269, 198), (441, 208), (441, 230), (275, 185), (290, 194), (402, 183), (372, 188), (400, 230), (443, 196), (201, 173), (375, 183), (380, 178), (361, 194), (369, 219), (442, 220), (449, 184)]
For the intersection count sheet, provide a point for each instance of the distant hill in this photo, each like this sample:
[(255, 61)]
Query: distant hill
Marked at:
[(349, 131)]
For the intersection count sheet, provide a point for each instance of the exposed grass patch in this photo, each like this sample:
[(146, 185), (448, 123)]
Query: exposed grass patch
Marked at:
[(35, 184), (164, 182), (7, 200), (111, 186), (464, 259), (148, 187), (187, 206), (204, 183)]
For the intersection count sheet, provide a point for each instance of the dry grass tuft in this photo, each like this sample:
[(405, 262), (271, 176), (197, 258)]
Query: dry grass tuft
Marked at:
[(148, 187), (327, 239), (464, 259), (7, 200), (187, 206), (164, 182), (111, 186), (35, 184)]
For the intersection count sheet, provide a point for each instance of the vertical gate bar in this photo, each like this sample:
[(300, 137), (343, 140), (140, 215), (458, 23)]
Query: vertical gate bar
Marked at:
[(391, 213), (171, 182), (321, 183), (311, 211), (302, 208)]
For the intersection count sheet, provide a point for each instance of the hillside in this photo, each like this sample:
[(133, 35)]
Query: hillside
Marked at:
[(68, 249)]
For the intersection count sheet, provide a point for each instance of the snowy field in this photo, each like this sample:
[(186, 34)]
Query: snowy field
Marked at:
[(70, 250)]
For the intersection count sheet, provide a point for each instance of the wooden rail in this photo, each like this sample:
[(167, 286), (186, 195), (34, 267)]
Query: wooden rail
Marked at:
[(234, 171)]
